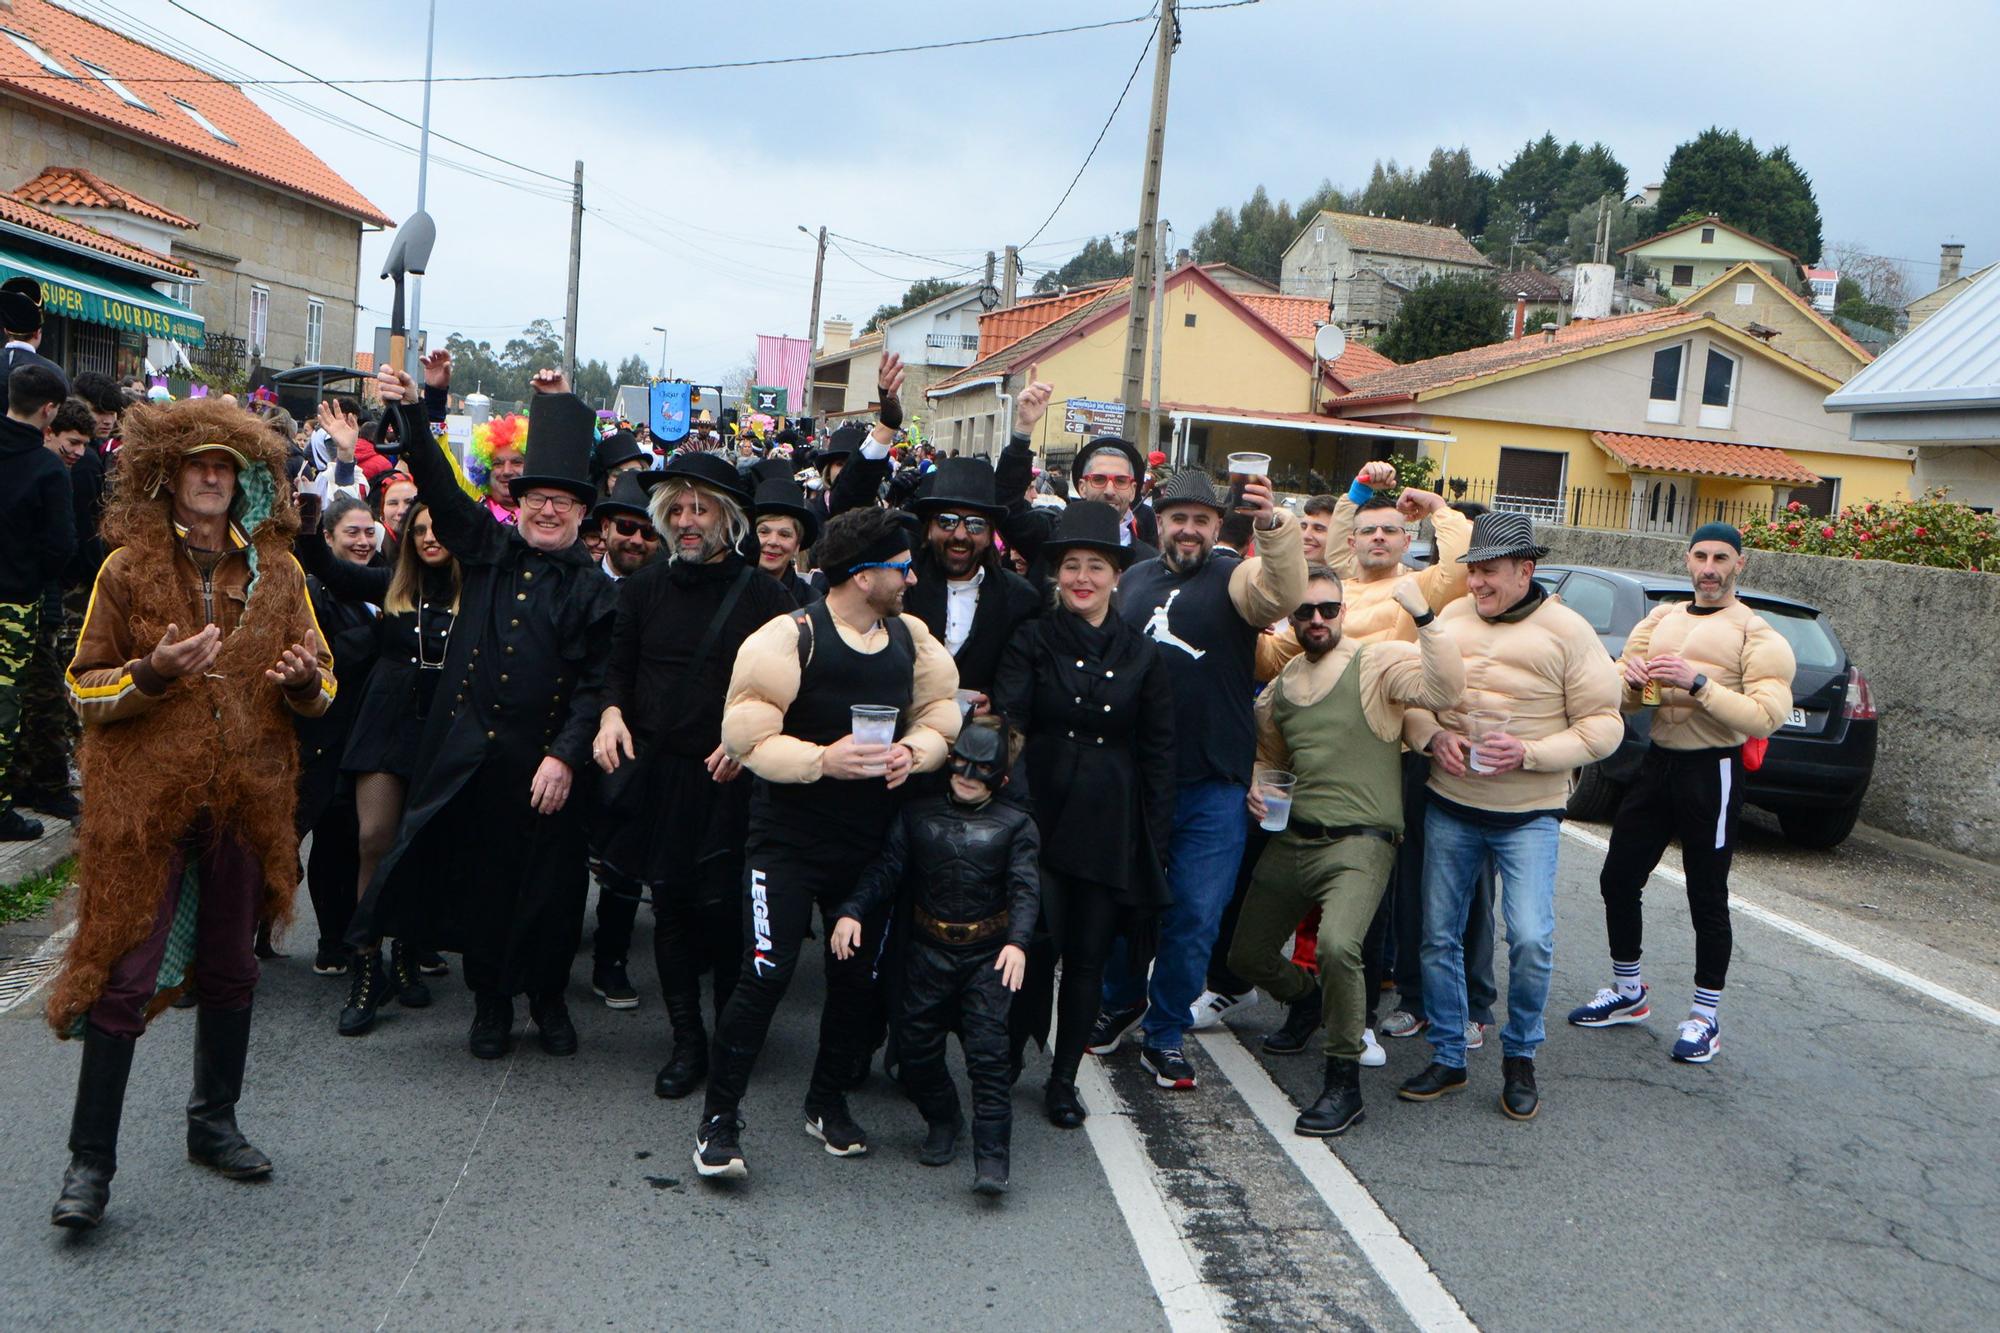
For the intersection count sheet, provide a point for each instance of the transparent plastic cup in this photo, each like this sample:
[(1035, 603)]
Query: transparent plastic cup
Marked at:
[(874, 724), (1479, 724), (1242, 467), (1277, 789)]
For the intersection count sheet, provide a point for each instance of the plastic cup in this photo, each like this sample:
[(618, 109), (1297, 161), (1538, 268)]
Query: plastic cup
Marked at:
[(966, 700), (1242, 467), (874, 724), (1479, 724), (1277, 788)]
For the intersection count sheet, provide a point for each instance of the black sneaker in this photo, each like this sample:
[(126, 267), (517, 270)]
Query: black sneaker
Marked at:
[(1296, 1033), (830, 1123), (431, 963), (61, 804), (1112, 1027), (941, 1141), (17, 827), (1169, 1068), (331, 960), (717, 1155), (365, 993), (492, 1025), (1433, 1083), (552, 1023), (404, 979), (610, 984), (1518, 1095)]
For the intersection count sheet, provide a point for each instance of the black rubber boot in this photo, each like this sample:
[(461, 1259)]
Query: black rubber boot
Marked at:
[(367, 987), (989, 1156), (404, 979), (688, 1065), (1296, 1032), (93, 1130), (1339, 1105), (221, 1045)]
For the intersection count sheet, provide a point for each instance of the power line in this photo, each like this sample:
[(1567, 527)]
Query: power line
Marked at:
[(890, 249), (1129, 78)]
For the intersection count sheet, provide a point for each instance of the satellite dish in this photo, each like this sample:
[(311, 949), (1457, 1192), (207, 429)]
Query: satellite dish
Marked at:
[(989, 297), (1329, 342)]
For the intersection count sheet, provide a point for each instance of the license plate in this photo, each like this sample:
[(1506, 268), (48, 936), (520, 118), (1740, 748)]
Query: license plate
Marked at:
[(1797, 718)]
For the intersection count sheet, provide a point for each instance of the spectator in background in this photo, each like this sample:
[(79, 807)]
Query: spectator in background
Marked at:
[(48, 725), (21, 321), (37, 539)]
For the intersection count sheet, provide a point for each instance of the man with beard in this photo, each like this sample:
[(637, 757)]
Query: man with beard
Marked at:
[(626, 525), (1720, 677), (490, 858), (822, 806), (1206, 612), (1334, 719), (1106, 470)]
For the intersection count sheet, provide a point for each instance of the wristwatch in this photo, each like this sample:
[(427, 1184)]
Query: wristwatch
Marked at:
[(1699, 682)]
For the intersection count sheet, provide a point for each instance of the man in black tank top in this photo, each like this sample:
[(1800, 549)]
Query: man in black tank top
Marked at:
[(821, 808)]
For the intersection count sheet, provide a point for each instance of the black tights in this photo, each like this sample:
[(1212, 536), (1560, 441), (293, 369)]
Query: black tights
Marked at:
[(1092, 921)]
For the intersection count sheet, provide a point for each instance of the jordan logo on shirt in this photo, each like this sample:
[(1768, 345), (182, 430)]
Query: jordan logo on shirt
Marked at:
[(1160, 630)]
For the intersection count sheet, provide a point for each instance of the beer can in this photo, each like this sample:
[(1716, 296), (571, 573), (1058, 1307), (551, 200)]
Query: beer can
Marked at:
[(1650, 695)]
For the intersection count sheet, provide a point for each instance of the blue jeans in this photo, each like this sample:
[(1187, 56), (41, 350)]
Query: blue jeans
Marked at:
[(1210, 825), (1524, 858)]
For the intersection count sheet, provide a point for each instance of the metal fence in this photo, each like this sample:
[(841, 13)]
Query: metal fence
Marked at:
[(1665, 507)]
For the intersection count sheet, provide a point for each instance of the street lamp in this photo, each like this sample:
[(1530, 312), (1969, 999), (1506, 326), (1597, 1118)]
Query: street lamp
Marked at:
[(663, 350)]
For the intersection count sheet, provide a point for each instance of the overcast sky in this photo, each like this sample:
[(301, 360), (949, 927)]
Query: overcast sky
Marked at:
[(697, 181)]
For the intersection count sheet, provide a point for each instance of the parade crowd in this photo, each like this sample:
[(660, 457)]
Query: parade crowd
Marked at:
[(1058, 760)]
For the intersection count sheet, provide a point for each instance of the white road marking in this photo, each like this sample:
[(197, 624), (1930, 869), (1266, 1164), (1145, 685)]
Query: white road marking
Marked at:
[(1171, 1261), (1868, 962), (1396, 1261)]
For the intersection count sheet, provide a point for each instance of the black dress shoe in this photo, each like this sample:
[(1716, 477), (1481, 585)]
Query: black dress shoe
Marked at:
[(1065, 1109), (492, 1025), (1296, 1033), (941, 1142), (683, 1071), (552, 1024), (1339, 1106), (1433, 1083), (1518, 1097)]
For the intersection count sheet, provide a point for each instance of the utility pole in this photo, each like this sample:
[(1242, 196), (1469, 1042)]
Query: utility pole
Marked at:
[(812, 332), (575, 274), (1010, 277), (1145, 242), (423, 179), (1159, 337)]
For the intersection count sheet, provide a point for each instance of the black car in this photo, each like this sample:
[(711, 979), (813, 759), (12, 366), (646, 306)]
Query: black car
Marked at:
[(1819, 763)]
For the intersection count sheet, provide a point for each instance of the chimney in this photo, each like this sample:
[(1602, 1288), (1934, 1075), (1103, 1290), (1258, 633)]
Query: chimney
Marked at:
[(1950, 254), (835, 336), (1520, 313), (1183, 257)]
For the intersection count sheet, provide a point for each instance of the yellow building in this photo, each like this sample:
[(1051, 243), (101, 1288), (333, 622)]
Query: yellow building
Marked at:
[(1747, 297), (1658, 420)]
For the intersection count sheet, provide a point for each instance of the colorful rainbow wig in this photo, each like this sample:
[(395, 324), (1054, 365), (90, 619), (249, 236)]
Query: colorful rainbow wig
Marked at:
[(490, 438)]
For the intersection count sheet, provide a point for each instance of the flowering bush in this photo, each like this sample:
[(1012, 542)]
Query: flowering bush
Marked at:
[(1929, 530)]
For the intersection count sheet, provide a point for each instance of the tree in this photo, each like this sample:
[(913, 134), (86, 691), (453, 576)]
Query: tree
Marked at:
[(474, 367), (1443, 315), (1628, 223), (1875, 278), (739, 379), (594, 384), (1721, 172), (1102, 259), (1542, 189), (920, 291), (635, 369)]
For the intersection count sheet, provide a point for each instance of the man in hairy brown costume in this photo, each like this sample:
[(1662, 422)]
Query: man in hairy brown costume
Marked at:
[(198, 640)]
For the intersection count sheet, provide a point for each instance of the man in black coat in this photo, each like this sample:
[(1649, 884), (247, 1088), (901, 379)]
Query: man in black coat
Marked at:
[(21, 322), (1107, 470), (490, 860), (37, 538)]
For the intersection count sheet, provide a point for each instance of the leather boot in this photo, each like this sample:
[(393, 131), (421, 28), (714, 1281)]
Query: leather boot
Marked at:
[(553, 1027), (941, 1141), (1339, 1106), (688, 1065), (1301, 1021), (405, 981), (492, 1025), (1065, 1109), (93, 1130), (367, 988), (989, 1155), (221, 1044)]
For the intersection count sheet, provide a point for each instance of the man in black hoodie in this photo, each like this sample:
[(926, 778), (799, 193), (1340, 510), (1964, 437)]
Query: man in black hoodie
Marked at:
[(37, 538)]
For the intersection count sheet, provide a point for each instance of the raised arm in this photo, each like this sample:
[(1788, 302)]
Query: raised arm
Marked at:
[(1270, 585), (460, 522)]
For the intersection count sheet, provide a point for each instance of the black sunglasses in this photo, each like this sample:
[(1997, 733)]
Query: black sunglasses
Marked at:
[(974, 525), (1327, 611), (632, 527)]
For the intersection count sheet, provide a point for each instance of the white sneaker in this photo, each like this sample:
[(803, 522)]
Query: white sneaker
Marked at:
[(1372, 1054), (1475, 1036), (1207, 1011)]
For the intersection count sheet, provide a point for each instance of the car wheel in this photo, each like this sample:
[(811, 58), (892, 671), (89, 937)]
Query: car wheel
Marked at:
[(1817, 827), (1591, 794)]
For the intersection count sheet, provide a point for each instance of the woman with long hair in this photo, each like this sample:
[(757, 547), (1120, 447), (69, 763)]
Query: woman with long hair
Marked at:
[(1090, 696)]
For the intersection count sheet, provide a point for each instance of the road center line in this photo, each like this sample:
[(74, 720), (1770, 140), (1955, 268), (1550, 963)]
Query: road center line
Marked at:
[(1867, 962), (1171, 1262), (1396, 1261)]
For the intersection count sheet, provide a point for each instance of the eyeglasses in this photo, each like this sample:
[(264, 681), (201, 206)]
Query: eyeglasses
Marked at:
[(1099, 481), (1380, 529), (902, 567), (534, 501), (1327, 611), (974, 525), (632, 527)]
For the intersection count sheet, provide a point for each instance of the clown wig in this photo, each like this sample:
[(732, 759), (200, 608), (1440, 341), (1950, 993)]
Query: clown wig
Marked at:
[(493, 437)]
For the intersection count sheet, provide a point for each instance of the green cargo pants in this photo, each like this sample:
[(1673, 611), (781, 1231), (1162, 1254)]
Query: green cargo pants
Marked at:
[(18, 624)]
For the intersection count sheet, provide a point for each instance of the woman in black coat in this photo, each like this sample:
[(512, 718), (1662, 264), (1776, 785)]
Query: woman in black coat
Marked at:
[(1091, 697)]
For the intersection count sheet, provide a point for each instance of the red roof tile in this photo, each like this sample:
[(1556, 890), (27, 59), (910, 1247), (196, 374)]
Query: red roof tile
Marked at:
[(1439, 371), (1299, 318), (262, 149), (1704, 458), (49, 224), (73, 187), (1003, 328), (1394, 236)]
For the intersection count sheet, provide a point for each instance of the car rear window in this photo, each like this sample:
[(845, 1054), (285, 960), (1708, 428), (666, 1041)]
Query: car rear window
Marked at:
[(1803, 630)]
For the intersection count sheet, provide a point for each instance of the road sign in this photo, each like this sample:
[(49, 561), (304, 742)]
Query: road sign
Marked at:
[(1088, 416)]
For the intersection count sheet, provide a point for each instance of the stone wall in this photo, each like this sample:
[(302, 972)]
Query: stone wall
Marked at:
[(1925, 639), (250, 235)]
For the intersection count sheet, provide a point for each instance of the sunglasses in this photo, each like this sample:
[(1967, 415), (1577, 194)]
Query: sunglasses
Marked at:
[(632, 527), (1327, 611), (902, 567), (974, 525)]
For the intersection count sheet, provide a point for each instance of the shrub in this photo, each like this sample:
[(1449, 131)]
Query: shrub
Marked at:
[(1929, 530)]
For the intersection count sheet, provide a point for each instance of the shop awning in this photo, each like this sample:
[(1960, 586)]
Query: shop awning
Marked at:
[(97, 299)]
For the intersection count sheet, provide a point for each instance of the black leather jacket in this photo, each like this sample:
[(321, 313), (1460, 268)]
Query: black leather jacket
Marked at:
[(962, 865)]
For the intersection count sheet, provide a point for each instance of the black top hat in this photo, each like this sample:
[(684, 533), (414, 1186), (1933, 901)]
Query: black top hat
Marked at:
[(1189, 486), (1497, 536), (628, 496), (710, 470), (18, 314), (841, 443), (620, 446), (784, 497), (960, 483), (1125, 447), (1088, 525), (769, 469), (561, 432)]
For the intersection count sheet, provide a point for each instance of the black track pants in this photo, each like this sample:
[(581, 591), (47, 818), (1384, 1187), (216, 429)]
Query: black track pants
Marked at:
[(1693, 795)]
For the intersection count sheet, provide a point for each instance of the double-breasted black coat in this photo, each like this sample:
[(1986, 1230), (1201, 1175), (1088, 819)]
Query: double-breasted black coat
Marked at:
[(474, 868)]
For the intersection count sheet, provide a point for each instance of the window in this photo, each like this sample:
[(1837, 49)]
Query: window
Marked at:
[(315, 330), (1592, 598), (105, 77), (1718, 391), (36, 53), (1663, 400), (1746, 292), (1530, 481), (1187, 320), (1319, 234), (260, 319), (1708, 236), (203, 121), (1683, 275), (1822, 499)]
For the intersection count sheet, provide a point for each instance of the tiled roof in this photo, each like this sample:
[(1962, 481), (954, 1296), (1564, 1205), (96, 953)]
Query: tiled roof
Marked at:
[(1410, 240), (1439, 371), (1710, 221), (262, 148), (1299, 317), (1023, 350), (1532, 283), (26, 215), (73, 187), (1704, 458), (1001, 328)]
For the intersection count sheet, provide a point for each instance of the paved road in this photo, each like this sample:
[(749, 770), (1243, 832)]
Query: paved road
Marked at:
[(1834, 1169)]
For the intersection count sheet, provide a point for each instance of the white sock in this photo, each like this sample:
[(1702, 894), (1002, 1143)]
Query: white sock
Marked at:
[(1705, 1002), (1627, 977)]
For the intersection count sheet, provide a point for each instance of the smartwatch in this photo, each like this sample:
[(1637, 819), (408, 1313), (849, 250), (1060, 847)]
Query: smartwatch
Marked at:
[(1700, 682)]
